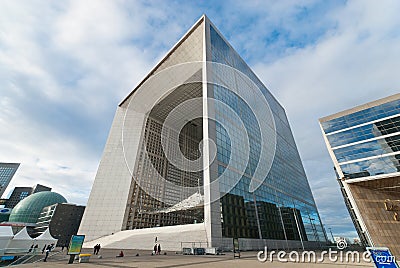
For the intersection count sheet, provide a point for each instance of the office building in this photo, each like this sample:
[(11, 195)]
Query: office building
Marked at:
[(364, 144), (201, 143), (7, 171), (20, 193), (62, 219)]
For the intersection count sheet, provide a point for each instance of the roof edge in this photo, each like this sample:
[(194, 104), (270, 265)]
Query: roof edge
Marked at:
[(172, 50), (360, 107)]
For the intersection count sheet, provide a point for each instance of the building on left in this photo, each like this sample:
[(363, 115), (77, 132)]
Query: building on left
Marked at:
[(7, 171), (45, 210), (62, 219), (20, 193)]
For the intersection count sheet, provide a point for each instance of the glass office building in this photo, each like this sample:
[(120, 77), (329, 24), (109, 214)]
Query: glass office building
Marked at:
[(364, 143), (7, 171), (202, 141)]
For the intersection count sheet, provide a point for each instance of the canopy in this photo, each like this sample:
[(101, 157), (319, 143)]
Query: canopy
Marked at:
[(6, 231), (6, 234), (21, 240), (45, 239)]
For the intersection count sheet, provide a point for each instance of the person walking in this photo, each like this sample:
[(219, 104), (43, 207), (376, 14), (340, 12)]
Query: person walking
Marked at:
[(98, 249), (159, 249), (155, 249), (94, 249), (47, 254)]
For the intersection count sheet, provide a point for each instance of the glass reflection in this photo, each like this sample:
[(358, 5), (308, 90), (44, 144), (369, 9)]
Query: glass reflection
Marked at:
[(283, 207)]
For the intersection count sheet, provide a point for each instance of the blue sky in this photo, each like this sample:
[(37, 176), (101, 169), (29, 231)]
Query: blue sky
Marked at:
[(65, 65)]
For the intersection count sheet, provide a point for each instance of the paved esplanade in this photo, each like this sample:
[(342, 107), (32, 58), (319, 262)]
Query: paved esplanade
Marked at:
[(248, 260)]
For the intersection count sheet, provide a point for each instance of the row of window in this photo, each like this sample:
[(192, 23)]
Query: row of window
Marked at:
[(370, 131), (364, 116)]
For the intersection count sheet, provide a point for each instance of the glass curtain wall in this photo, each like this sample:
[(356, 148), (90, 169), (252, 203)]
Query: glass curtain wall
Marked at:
[(366, 143), (283, 206)]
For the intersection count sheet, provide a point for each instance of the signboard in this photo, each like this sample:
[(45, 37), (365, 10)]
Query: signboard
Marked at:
[(382, 257), (75, 245)]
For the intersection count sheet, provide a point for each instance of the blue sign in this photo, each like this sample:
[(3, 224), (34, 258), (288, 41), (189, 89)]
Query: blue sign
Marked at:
[(7, 258), (382, 257)]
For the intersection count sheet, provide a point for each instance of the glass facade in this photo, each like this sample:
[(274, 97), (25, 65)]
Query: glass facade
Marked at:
[(29, 209), (283, 206), (7, 171), (149, 198), (366, 142)]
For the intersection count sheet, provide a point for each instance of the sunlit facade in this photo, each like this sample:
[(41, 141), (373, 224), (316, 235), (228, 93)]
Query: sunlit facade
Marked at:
[(283, 207), (237, 194), (364, 143)]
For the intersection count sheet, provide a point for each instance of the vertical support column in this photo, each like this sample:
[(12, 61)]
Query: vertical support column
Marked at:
[(206, 152), (212, 210)]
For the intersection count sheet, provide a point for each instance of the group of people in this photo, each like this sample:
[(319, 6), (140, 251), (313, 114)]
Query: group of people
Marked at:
[(157, 249), (33, 247), (96, 249), (46, 249)]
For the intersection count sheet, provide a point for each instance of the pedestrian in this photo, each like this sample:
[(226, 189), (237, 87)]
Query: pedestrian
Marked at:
[(44, 248), (47, 254), (159, 249), (98, 248), (121, 254), (155, 249), (94, 249)]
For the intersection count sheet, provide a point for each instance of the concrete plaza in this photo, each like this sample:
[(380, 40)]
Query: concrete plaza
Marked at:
[(145, 259)]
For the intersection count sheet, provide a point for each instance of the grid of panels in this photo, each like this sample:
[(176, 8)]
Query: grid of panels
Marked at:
[(7, 171), (283, 206), (153, 194), (367, 115), (370, 149)]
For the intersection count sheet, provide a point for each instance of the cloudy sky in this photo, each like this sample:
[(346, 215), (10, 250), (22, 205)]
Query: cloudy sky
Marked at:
[(65, 65)]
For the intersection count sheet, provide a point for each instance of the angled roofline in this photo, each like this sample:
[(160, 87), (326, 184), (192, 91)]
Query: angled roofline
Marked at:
[(172, 50), (360, 107)]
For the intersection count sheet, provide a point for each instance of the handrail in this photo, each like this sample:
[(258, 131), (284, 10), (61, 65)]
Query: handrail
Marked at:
[(28, 256)]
